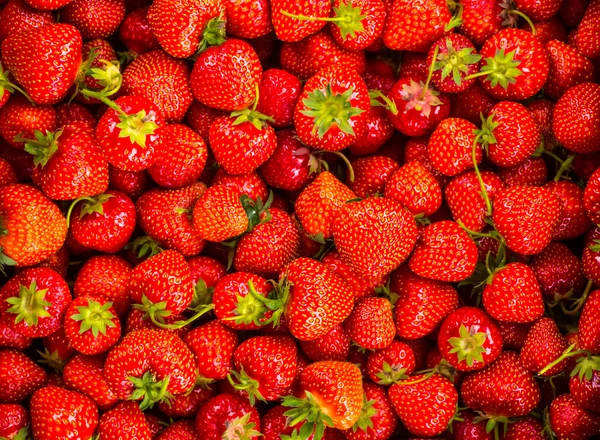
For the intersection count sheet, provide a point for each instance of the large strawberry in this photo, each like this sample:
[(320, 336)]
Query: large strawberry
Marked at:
[(374, 236), (45, 60), (18, 16), (567, 69), (568, 420)]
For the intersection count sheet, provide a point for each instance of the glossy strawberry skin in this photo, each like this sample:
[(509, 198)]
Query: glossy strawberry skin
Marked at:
[(543, 345), (558, 271), (18, 16), (332, 346), (19, 118), (385, 421), (278, 93), (181, 430), (219, 215), (449, 147), (584, 38), (19, 376), (416, 188), (589, 336), (219, 411), (187, 405), (94, 18), (292, 29), (569, 420), (248, 19), (125, 417), (85, 374), (371, 323), (16, 418), (530, 172), (573, 221), (135, 32), (568, 68), (371, 175)]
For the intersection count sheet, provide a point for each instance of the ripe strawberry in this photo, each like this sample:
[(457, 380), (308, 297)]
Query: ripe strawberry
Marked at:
[(583, 384), (589, 330), (278, 93), (466, 424), (424, 404), (48, 408), (310, 55), (74, 112), (574, 131), (104, 223), (135, 32), (289, 28), (8, 174), (570, 421), (408, 32), (503, 388), (45, 61), (132, 183), (530, 172), (149, 365), (542, 110), (359, 285), (377, 132), (248, 19), (469, 339), (385, 225), (589, 259), (265, 367), (19, 376), (416, 149), (444, 252), (377, 418), (170, 91), (15, 423), (371, 323), (165, 215), (335, 87), (591, 197), (200, 117), (57, 350), (332, 346), (20, 119), (416, 188), (85, 374), (538, 10), (94, 18), (250, 184), (47, 5), (526, 216), (330, 394), (371, 175), (586, 31), (125, 417), (450, 146), (390, 364), (219, 214), (456, 59), (34, 302), (228, 417), (219, 81), (11, 339), (525, 428), (422, 305), (568, 68), (543, 345), (18, 16), (105, 276), (573, 221), (516, 64), (181, 430), (182, 29), (471, 103), (188, 404), (558, 271)]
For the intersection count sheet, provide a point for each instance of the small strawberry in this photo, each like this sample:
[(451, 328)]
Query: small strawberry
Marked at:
[(525, 428), (69, 113), (278, 93), (132, 183), (94, 18), (456, 59), (188, 404), (125, 417), (57, 350), (589, 329), (289, 28), (390, 364), (85, 374), (181, 430), (586, 31), (228, 417), (332, 346), (416, 188), (377, 132), (19, 376), (20, 119), (371, 323), (570, 421), (543, 345), (451, 144), (559, 272)]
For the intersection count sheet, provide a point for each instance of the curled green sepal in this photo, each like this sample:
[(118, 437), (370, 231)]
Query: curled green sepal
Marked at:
[(137, 126), (156, 312), (391, 374), (240, 429), (501, 69), (241, 381), (95, 317), (29, 305), (149, 391), (42, 148), (455, 61), (307, 410), (275, 301), (468, 346)]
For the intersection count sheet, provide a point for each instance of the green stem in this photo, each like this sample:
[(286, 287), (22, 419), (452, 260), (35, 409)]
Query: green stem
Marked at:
[(430, 73), (524, 17), (580, 302), (75, 202), (307, 18), (180, 324), (475, 233), (475, 75), (101, 97), (344, 159), (566, 164), (389, 104), (484, 194), (566, 354)]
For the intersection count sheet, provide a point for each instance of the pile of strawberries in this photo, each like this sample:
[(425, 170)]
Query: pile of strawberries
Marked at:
[(299, 220)]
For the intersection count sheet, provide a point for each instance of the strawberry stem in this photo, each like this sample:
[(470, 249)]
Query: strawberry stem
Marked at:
[(390, 105), (241, 381), (7, 86), (42, 148), (344, 159), (212, 35), (499, 69), (579, 303), (524, 17), (149, 391), (484, 194), (566, 354), (309, 411), (200, 310), (429, 73)]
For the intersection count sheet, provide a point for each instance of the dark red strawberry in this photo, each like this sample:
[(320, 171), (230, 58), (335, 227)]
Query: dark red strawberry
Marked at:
[(471, 103), (377, 417), (19, 376), (188, 404), (586, 31), (390, 364), (278, 93), (332, 346), (181, 430), (530, 172), (94, 18), (573, 221), (570, 421), (544, 344), (132, 183), (15, 423), (371, 175), (456, 59), (57, 350), (135, 32), (589, 329)]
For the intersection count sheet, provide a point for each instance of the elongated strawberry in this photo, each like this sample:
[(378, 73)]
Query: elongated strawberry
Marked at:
[(85, 374), (19, 376), (450, 146)]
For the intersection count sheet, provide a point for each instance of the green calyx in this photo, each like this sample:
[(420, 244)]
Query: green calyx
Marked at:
[(42, 148), (156, 312), (202, 294), (309, 411), (249, 309), (485, 135), (53, 360), (455, 61), (492, 423), (585, 367), (328, 109), (275, 301), (109, 77), (252, 116), (29, 305), (391, 374), (376, 98), (367, 412), (23, 434), (137, 126), (95, 317), (144, 247), (240, 429), (212, 35), (91, 205), (501, 69), (456, 20), (256, 209), (241, 381), (468, 346), (149, 391)]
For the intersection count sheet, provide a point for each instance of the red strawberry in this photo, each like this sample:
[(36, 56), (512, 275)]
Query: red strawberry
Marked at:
[(135, 32), (583, 384), (585, 38), (391, 236), (570, 421), (589, 328), (11, 339), (467, 424), (503, 388), (69, 113), (377, 132), (125, 417), (278, 92), (15, 423), (18, 16), (288, 28), (181, 430), (47, 5), (48, 408), (45, 61), (567, 69), (416, 188), (424, 404), (250, 184), (228, 417), (94, 18), (525, 428), (219, 214), (469, 339), (184, 28), (481, 19), (471, 103), (543, 345), (416, 149), (104, 223), (200, 117), (188, 404), (455, 60), (538, 10), (371, 323), (20, 119), (219, 82), (132, 183), (573, 221), (526, 217), (558, 271), (574, 131), (450, 146), (19, 376), (57, 350), (371, 175), (591, 197), (377, 417), (390, 364), (85, 374), (530, 172), (332, 346)]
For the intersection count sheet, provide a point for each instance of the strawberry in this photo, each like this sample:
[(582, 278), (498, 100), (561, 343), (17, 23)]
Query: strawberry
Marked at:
[(74, 112), (8, 174), (416, 32), (570, 421), (444, 252), (481, 19), (503, 388), (377, 418), (526, 217), (424, 404), (18, 16), (575, 132), (573, 221), (94, 18), (422, 305), (377, 132), (15, 423), (586, 31), (538, 10), (567, 69), (48, 407), (91, 325), (530, 172), (466, 424), (182, 29), (542, 110), (469, 339), (371, 323), (371, 175), (103, 223), (47, 5), (222, 88), (150, 365), (390, 364), (125, 417), (45, 61), (416, 149), (525, 428), (332, 346), (100, 70), (330, 394), (591, 197), (105, 276), (219, 214), (559, 272), (543, 345), (11, 339), (165, 215), (250, 184), (288, 28), (135, 32), (278, 93), (26, 241), (34, 302), (450, 146), (188, 404), (248, 19), (456, 58), (85, 374), (20, 119), (19, 376), (583, 384), (132, 183), (335, 87), (416, 188), (265, 367), (515, 64), (589, 334), (57, 350), (471, 103), (360, 286), (228, 417), (181, 430), (310, 55), (170, 91)]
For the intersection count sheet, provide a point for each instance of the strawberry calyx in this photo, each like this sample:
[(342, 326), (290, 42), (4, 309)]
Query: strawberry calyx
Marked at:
[(585, 367), (500, 69), (95, 317), (241, 381), (391, 374), (249, 309), (212, 35), (376, 101), (7, 86), (90, 205), (148, 390), (309, 411), (53, 360), (144, 247), (579, 303), (456, 20), (328, 109), (29, 305), (484, 272), (43, 147), (420, 96), (347, 17), (569, 352), (275, 301), (455, 61), (469, 345), (22, 434), (202, 294), (240, 429), (367, 412), (492, 423), (251, 115), (510, 15), (204, 382)]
